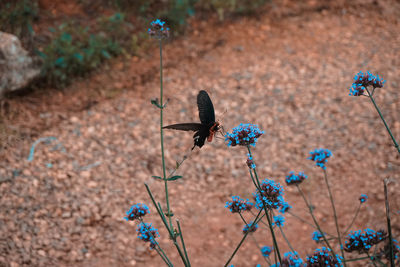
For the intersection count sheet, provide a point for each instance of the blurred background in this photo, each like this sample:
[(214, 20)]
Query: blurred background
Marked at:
[(79, 137)]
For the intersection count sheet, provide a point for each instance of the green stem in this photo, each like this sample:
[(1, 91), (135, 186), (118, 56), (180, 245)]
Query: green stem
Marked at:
[(162, 138), (335, 216), (273, 234), (358, 259), (354, 218), (183, 243), (396, 145), (171, 234), (315, 220), (241, 241), (287, 240), (391, 252), (266, 211), (167, 262)]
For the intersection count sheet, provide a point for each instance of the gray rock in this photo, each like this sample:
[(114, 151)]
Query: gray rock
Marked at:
[(17, 68)]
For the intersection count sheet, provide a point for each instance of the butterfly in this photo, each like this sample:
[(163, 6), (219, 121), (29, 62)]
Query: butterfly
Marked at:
[(208, 126)]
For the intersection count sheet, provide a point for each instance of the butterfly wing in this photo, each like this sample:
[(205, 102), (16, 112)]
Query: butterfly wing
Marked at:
[(185, 126), (206, 108)]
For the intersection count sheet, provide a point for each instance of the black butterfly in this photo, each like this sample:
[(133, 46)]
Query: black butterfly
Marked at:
[(208, 126)]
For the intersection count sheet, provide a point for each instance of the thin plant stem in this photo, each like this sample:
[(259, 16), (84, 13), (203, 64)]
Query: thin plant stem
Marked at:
[(162, 138), (241, 241), (163, 219), (334, 215), (352, 221), (183, 242), (396, 145), (287, 240), (391, 252), (372, 260), (162, 257), (358, 259), (315, 220), (266, 211), (310, 224)]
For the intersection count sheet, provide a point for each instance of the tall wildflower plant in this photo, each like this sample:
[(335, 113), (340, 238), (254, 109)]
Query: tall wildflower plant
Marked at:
[(367, 82), (146, 232)]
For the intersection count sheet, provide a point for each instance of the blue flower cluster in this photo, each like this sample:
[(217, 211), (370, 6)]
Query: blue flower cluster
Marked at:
[(279, 220), (266, 251), (363, 80), (320, 156), (137, 211), (316, 236), (238, 205), (290, 259), (285, 207), (293, 179), (363, 198), (157, 30), (248, 228), (323, 257), (147, 233), (243, 135), (362, 241), (250, 163), (271, 195)]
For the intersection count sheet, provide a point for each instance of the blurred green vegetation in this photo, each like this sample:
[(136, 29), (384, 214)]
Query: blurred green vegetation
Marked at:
[(17, 17), (74, 49)]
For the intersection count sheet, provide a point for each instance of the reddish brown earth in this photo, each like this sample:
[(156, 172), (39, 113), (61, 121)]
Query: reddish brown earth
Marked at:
[(287, 71)]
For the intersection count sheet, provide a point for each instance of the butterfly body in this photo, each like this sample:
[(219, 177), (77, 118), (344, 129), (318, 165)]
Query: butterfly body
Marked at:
[(208, 126)]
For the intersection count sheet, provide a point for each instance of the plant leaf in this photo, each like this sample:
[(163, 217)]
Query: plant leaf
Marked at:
[(173, 178)]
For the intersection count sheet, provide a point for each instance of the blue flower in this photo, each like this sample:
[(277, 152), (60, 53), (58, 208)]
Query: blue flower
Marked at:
[(293, 179), (248, 228), (320, 156), (157, 30), (266, 251), (137, 211), (243, 135), (271, 195), (363, 80), (323, 257), (279, 220), (316, 236), (362, 241), (291, 259), (147, 233), (238, 205), (284, 208), (363, 198)]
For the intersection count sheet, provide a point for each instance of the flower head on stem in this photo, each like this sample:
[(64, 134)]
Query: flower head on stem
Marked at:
[(320, 156), (158, 30), (244, 135), (270, 193), (137, 212), (238, 205), (362, 241), (322, 257), (266, 250), (363, 198), (249, 228), (293, 179), (279, 220), (147, 233)]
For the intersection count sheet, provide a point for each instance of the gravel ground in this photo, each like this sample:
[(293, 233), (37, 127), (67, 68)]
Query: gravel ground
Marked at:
[(288, 73)]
